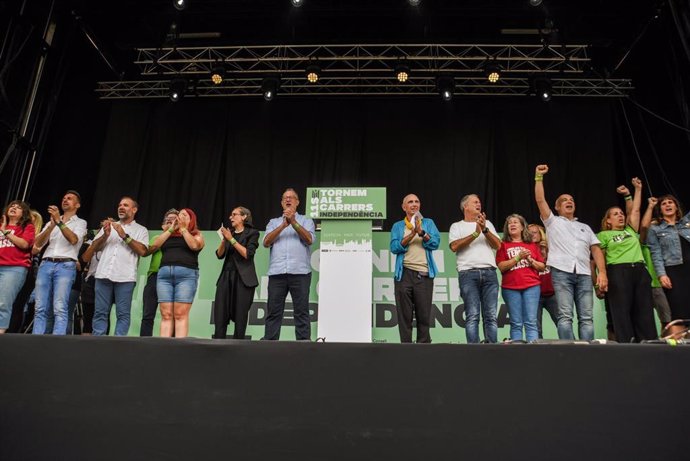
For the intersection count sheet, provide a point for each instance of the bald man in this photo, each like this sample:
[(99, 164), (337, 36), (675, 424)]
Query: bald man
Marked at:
[(413, 241), (570, 245)]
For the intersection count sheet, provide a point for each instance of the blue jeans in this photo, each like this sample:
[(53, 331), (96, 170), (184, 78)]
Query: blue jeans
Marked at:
[(107, 292), (522, 309), (176, 284), (11, 281), (573, 288), (53, 285), (479, 290)]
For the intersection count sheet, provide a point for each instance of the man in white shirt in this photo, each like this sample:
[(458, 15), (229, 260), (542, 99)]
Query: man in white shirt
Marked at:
[(122, 243), (63, 235), (474, 241), (570, 245)]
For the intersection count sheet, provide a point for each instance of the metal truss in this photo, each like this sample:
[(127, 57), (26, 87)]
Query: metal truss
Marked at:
[(362, 86), (341, 60)]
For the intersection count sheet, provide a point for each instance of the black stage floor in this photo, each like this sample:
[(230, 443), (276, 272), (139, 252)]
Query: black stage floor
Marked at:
[(85, 398)]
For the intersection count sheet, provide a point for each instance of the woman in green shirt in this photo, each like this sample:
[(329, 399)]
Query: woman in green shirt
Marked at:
[(629, 293)]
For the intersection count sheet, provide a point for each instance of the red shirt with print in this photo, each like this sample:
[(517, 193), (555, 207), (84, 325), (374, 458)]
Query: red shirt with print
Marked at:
[(10, 255), (522, 275)]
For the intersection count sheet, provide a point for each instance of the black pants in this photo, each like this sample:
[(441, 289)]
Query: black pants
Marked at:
[(278, 287), (413, 293), (150, 306), (233, 301), (630, 302)]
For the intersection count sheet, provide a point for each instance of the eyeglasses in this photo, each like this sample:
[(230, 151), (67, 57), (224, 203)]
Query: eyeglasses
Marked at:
[(236, 214)]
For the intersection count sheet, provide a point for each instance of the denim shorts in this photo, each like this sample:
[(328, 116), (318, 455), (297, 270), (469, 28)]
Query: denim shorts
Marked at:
[(176, 284)]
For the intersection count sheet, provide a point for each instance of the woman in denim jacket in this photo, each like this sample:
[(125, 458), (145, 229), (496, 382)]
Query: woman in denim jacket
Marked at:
[(669, 244)]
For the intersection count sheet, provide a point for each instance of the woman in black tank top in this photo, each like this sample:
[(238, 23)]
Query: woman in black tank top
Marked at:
[(178, 274)]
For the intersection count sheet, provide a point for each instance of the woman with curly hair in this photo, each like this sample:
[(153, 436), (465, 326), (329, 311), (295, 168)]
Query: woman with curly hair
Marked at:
[(16, 238)]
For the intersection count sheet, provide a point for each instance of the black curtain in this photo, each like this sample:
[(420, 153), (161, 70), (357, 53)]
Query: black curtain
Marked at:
[(212, 155)]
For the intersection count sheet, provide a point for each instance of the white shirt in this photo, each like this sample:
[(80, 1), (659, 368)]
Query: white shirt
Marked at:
[(93, 264), (569, 244), (118, 262), (478, 254), (59, 246)]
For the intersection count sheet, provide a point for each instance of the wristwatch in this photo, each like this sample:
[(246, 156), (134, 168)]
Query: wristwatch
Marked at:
[(485, 230), (422, 234)]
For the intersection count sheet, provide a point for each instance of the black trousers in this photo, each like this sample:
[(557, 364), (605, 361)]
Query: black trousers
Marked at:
[(233, 302), (630, 302), (278, 287), (150, 306), (413, 293)]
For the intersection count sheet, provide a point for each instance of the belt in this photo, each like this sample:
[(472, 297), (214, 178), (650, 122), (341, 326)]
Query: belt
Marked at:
[(419, 274), (59, 260)]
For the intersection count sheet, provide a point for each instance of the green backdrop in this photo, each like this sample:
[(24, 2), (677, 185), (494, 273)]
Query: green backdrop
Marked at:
[(447, 318)]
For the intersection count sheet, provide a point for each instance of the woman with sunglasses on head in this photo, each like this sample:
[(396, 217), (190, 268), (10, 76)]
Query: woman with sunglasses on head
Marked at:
[(17, 235), (237, 281)]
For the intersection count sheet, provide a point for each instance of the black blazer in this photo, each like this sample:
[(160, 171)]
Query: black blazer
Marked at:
[(249, 238)]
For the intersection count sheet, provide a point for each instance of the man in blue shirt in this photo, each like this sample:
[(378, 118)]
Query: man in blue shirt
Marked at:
[(413, 241), (289, 237)]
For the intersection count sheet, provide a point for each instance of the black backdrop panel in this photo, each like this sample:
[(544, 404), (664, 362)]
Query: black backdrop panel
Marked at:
[(211, 155), (82, 398)]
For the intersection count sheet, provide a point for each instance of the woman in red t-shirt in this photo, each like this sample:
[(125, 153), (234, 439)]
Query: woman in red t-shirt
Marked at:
[(520, 262), (16, 237)]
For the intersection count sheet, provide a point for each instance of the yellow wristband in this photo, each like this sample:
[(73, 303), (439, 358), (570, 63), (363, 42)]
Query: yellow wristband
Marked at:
[(233, 241), (475, 234), (517, 258), (183, 230), (171, 230), (296, 226), (539, 177), (628, 197)]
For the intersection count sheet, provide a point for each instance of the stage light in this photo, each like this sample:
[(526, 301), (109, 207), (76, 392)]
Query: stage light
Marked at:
[(269, 88), (492, 72), (402, 73), (414, 2), (297, 3), (313, 73), (543, 89), (177, 89), (218, 75), (180, 4), (535, 2), (446, 87)]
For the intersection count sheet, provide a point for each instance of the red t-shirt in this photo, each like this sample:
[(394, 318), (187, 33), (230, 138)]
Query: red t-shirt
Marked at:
[(10, 255), (522, 275), (546, 283)]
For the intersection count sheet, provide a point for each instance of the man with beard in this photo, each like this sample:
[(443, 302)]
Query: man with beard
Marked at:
[(63, 235), (289, 237), (570, 245), (122, 243)]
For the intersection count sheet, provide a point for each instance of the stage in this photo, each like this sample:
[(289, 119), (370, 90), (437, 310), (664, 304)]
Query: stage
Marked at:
[(129, 398)]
